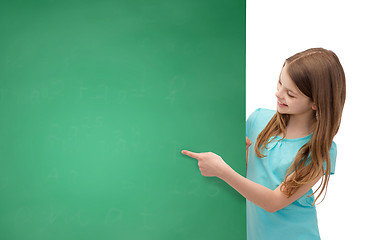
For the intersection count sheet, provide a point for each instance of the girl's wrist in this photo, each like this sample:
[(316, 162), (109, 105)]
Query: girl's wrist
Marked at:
[(225, 172)]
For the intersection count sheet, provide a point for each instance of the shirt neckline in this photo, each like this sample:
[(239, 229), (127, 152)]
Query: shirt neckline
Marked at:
[(294, 139)]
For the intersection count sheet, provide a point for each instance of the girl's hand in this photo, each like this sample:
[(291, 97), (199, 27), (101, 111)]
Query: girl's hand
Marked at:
[(209, 163), (248, 143)]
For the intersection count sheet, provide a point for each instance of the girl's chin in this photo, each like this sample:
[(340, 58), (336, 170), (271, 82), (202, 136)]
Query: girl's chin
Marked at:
[(281, 110)]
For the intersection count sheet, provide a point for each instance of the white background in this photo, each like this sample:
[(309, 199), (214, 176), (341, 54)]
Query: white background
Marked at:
[(278, 29)]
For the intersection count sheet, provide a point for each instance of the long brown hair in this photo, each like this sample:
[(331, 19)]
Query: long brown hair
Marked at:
[(319, 75)]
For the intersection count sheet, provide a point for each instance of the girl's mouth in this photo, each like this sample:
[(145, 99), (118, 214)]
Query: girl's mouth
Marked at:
[(281, 104)]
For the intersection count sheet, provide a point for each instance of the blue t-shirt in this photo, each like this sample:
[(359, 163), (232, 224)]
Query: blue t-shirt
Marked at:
[(296, 221)]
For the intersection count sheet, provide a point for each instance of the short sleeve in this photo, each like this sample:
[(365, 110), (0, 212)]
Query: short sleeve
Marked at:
[(333, 157), (250, 123)]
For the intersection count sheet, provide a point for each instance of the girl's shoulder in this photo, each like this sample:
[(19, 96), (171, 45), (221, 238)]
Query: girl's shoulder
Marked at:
[(257, 120), (261, 115)]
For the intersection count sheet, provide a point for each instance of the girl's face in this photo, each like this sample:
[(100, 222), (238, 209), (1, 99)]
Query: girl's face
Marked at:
[(290, 100)]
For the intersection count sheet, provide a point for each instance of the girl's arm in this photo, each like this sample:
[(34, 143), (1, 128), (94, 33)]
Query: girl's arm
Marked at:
[(211, 164), (269, 200)]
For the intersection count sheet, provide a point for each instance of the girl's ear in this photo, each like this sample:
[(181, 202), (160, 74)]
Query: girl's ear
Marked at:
[(313, 106)]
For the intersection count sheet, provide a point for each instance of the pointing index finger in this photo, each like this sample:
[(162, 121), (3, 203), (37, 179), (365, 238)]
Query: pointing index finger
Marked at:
[(189, 153)]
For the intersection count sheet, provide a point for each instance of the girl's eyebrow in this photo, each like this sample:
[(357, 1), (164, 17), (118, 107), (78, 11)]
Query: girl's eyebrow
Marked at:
[(292, 91), (295, 93)]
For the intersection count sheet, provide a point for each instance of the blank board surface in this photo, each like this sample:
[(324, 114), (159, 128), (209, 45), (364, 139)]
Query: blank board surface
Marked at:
[(97, 100)]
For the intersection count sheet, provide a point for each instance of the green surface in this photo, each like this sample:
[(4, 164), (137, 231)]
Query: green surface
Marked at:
[(98, 98)]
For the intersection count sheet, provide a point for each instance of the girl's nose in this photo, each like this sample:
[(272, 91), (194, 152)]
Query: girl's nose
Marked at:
[(277, 94)]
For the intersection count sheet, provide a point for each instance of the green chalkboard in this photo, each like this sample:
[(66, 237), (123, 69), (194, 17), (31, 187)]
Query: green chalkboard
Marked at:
[(97, 100)]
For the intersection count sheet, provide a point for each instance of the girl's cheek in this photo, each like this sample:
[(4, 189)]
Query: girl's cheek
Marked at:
[(289, 102)]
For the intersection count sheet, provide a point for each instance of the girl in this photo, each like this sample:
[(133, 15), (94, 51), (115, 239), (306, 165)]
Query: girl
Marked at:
[(293, 149)]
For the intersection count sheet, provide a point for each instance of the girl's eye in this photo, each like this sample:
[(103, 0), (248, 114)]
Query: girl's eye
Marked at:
[(290, 95)]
